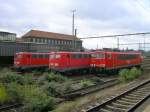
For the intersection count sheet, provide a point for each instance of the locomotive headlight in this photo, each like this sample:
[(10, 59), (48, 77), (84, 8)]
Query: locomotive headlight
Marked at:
[(17, 63), (56, 64)]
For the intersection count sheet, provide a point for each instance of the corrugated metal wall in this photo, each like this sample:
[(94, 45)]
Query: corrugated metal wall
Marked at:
[(10, 48)]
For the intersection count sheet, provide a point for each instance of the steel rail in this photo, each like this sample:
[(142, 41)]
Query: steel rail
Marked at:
[(128, 101)]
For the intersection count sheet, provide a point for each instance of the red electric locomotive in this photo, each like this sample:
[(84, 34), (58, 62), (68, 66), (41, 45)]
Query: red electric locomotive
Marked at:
[(110, 60), (28, 60), (69, 61)]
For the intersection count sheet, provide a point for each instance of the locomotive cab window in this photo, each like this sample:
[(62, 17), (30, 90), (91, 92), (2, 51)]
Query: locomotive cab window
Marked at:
[(98, 56), (19, 56), (127, 56), (52, 56), (57, 56)]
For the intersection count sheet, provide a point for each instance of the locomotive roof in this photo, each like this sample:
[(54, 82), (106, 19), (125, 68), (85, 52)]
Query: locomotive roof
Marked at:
[(119, 52), (33, 53), (66, 52)]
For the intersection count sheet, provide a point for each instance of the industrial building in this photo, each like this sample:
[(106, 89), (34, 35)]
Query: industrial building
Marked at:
[(7, 36), (56, 41), (35, 41)]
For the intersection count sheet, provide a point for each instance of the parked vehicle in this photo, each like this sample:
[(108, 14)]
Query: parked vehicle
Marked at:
[(110, 60), (78, 61), (29, 60), (69, 61)]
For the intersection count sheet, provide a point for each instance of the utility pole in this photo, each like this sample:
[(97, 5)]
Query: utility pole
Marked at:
[(139, 46), (73, 11), (144, 42), (73, 30), (118, 42)]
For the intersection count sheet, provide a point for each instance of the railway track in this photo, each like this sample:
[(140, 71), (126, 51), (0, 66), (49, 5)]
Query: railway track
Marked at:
[(125, 102), (10, 106), (146, 63), (83, 91)]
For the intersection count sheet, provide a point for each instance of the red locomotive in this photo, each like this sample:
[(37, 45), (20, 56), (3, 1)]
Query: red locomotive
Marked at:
[(110, 60), (78, 61), (28, 60), (69, 61)]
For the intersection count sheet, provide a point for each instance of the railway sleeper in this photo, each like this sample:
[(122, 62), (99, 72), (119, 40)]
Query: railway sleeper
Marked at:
[(104, 110), (114, 108), (129, 100), (125, 102), (142, 92), (136, 96), (133, 97), (145, 88), (121, 105)]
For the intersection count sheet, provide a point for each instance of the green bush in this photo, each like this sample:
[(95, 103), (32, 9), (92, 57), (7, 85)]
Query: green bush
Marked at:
[(5, 70), (9, 77), (134, 72), (57, 89), (86, 83), (41, 80), (3, 94), (124, 75), (55, 77), (96, 80), (14, 91), (29, 79), (37, 100), (129, 74)]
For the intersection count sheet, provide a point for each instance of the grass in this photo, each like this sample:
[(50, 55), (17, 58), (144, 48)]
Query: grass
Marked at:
[(38, 96), (3, 94), (129, 74), (23, 88), (86, 83), (66, 107)]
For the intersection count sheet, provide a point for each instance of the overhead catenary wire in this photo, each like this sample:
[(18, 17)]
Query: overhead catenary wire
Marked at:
[(119, 35)]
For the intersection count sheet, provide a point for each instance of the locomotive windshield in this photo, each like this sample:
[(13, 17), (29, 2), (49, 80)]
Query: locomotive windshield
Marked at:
[(55, 56), (98, 55), (19, 56)]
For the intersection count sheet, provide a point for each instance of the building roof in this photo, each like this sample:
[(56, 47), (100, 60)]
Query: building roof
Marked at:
[(44, 34), (19, 39), (7, 32)]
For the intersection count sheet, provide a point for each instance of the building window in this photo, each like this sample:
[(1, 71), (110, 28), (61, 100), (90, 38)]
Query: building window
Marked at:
[(46, 41), (55, 41), (42, 40), (51, 41), (34, 40), (37, 40), (31, 39)]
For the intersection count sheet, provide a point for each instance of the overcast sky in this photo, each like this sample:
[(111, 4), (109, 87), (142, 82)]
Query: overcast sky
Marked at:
[(92, 18)]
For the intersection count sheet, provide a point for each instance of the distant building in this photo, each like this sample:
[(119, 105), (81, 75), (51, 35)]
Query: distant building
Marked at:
[(35, 41), (7, 36), (57, 41)]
